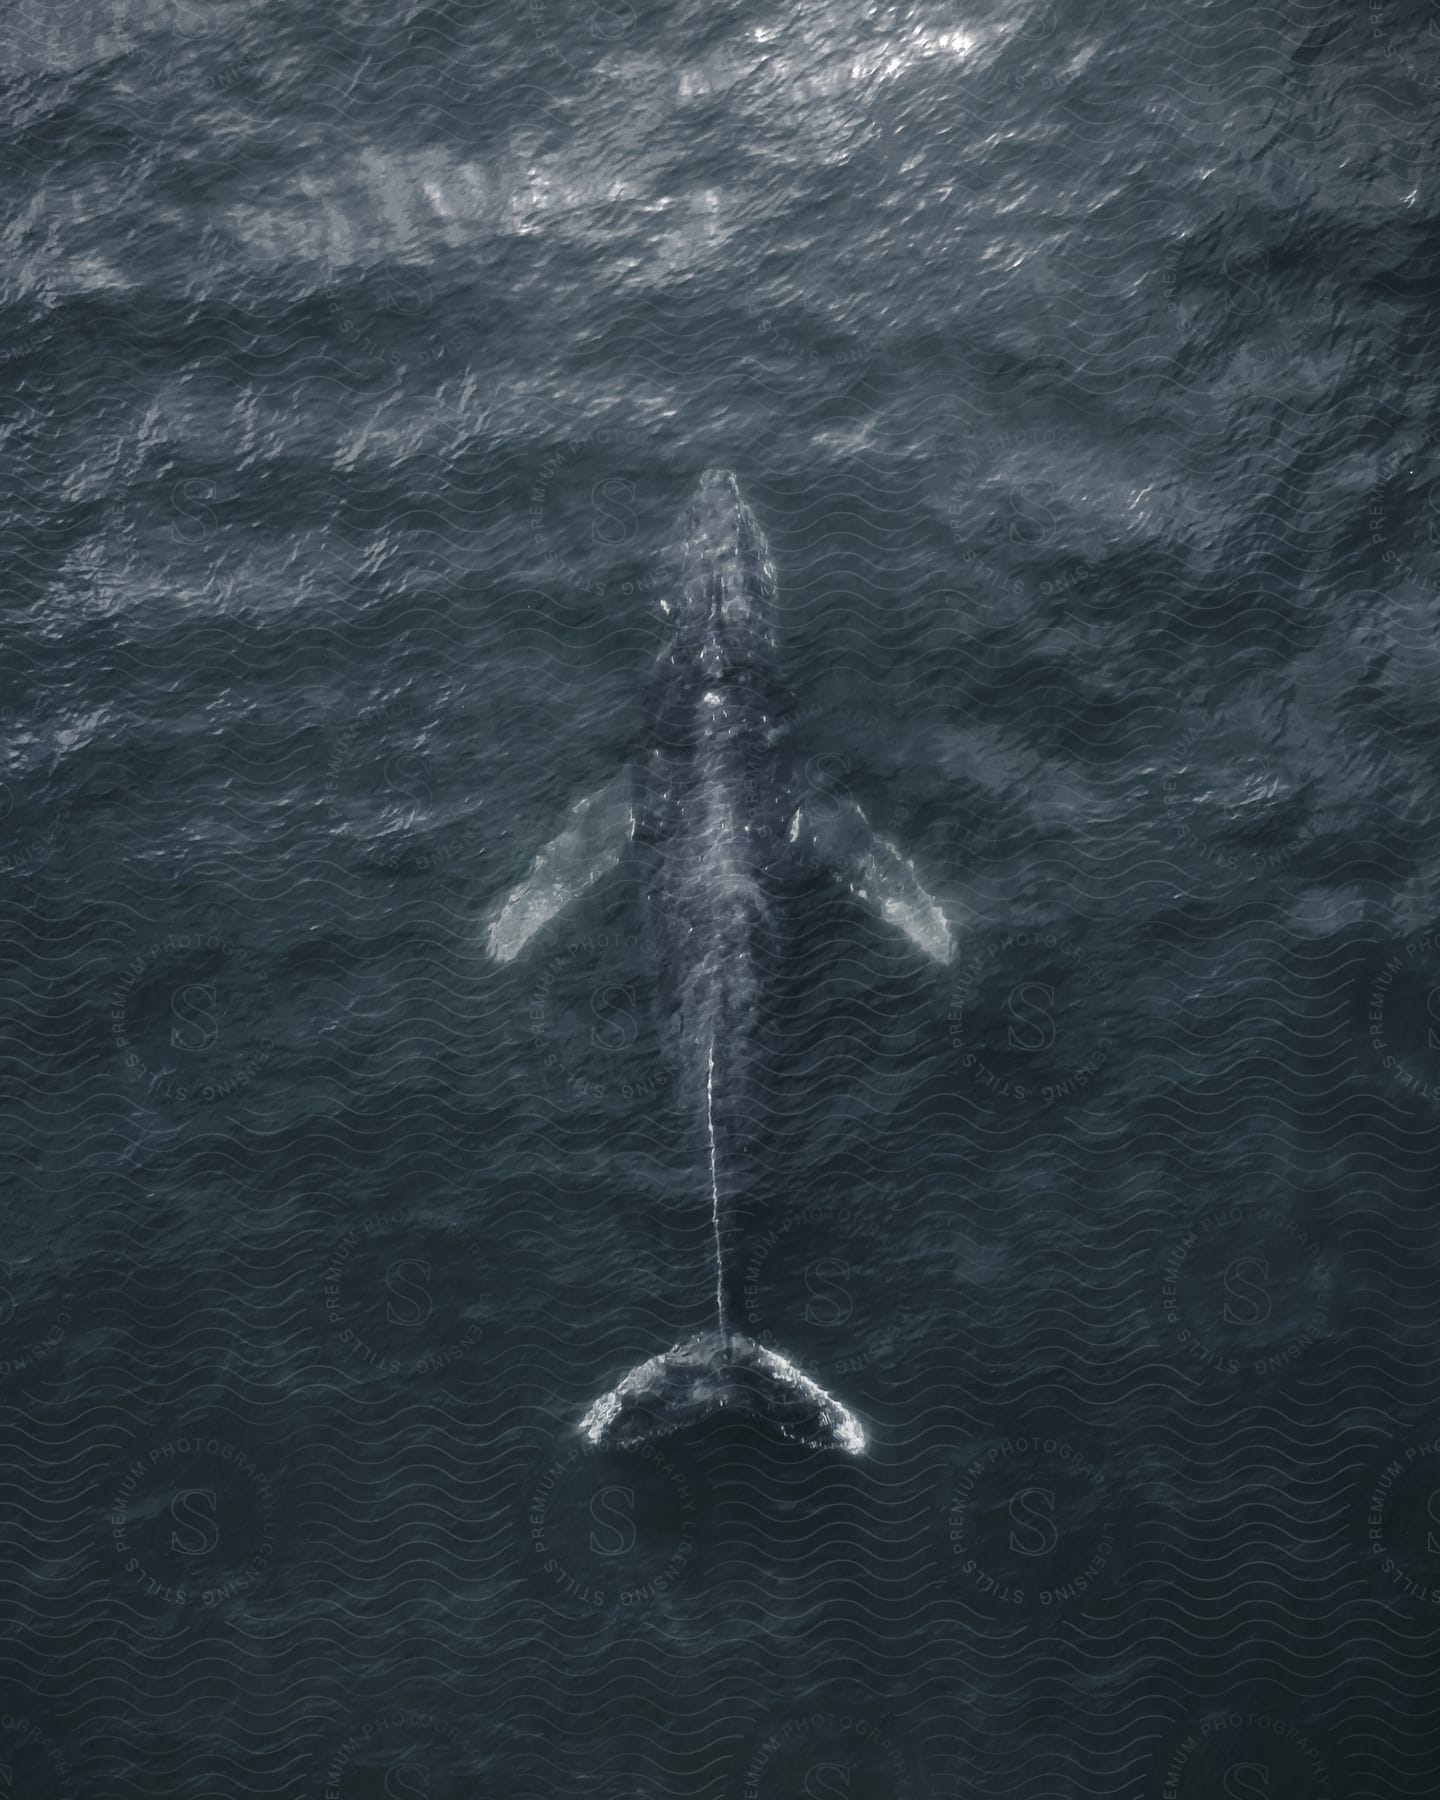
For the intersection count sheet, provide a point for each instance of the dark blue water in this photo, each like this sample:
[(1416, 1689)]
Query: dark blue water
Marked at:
[(1079, 363)]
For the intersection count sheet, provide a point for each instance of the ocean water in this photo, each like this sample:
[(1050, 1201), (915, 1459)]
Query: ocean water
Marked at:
[(1079, 363)]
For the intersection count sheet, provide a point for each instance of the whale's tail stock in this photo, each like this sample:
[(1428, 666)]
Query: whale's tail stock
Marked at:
[(719, 1370)]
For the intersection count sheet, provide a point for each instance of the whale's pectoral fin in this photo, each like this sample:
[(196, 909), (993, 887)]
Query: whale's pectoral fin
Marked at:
[(718, 1371), (839, 834), (593, 840)]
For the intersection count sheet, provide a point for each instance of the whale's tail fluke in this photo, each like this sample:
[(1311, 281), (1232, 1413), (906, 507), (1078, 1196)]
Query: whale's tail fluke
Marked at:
[(719, 1369)]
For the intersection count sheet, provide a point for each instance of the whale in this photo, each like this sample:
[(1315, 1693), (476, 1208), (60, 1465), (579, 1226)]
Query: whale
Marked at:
[(712, 821)]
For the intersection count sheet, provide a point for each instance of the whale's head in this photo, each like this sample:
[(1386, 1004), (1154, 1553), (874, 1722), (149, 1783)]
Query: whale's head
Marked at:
[(719, 593)]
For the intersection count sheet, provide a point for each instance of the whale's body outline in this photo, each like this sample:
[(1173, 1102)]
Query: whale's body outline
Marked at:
[(710, 817)]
